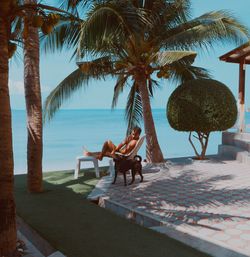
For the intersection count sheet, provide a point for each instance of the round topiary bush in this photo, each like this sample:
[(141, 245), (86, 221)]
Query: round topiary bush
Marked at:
[(201, 106)]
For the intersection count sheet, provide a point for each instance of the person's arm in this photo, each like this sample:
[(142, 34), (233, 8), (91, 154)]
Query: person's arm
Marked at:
[(129, 147), (126, 140)]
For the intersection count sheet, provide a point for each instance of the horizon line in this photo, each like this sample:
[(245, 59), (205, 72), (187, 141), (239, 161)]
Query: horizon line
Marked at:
[(83, 109)]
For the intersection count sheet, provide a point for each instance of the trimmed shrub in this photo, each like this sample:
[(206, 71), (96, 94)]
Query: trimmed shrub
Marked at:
[(201, 106)]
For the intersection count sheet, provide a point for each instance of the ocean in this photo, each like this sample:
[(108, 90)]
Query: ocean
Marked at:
[(70, 130)]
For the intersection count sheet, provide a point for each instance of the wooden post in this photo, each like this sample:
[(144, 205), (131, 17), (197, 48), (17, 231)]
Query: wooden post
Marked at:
[(241, 97)]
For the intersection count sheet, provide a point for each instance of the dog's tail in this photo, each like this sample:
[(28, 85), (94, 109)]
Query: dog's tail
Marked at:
[(138, 158)]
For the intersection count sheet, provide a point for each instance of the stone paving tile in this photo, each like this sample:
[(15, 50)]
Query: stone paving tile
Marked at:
[(210, 198)]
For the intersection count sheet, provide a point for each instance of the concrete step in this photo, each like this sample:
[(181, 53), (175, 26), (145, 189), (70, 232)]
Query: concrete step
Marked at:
[(243, 144), (229, 137), (234, 152), (133, 214)]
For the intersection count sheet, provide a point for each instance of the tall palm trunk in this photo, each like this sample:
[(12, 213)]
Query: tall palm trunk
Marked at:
[(33, 108), (153, 153), (7, 204)]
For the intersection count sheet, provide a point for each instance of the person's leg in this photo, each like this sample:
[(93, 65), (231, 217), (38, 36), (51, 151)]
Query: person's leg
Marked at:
[(94, 154), (88, 153), (107, 148)]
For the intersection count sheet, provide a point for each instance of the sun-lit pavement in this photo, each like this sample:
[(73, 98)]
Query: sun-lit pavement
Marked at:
[(205, 204)]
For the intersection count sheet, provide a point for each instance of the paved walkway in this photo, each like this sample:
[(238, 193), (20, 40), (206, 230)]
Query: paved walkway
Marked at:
[(207, 201)]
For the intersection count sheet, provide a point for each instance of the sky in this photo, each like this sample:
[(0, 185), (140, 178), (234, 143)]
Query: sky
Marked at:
[(98, 95)]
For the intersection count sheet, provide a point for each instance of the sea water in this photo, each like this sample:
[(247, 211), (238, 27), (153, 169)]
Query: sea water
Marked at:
[(70, 130)]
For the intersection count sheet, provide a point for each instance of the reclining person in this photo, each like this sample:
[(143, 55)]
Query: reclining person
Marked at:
[(109, 148)]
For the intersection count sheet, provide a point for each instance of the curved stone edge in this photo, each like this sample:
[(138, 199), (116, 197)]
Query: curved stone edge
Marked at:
[(100, 189), (36, 245)]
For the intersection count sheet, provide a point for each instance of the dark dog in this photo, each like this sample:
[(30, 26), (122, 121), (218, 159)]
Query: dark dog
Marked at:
[(123, 165)]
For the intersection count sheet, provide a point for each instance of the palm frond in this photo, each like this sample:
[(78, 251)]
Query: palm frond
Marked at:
[(164, 16), (73, 5), (152, 84), (133, 113), (181, 73), (180, 12), (16, 29), (65, 36), (64, 91), (98, 67), (210, 28), (169, 57), (170, 13), (118, 89), (108, 23)]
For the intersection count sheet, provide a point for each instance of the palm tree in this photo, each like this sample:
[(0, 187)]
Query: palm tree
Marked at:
[(33, 105), (12, 14), (31, 45), (7, 204), (132, 41)]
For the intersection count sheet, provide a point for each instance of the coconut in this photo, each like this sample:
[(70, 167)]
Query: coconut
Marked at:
[(85, 67), (166, 75), (118, 65), (37, 21), (160, 74), (46, 28), (149, 70), (106, 69), (53, 18), (165, 72)]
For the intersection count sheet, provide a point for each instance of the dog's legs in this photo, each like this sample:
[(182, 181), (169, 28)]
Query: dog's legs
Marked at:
[(125, 180), (140, 173), (115, 175), (114, 178), (133, 176)]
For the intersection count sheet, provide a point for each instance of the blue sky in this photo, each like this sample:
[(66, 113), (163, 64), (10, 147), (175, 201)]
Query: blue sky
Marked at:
[(55, 67)]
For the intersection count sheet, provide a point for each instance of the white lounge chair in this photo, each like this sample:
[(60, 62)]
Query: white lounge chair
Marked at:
[(134, 152), (80, 159), (111, 163), (129, 156)]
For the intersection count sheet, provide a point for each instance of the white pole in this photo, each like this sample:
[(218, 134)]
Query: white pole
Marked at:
[(241, 120), (241, 103)]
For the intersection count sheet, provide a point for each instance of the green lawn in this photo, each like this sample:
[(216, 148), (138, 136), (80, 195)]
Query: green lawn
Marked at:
[(79, 228)]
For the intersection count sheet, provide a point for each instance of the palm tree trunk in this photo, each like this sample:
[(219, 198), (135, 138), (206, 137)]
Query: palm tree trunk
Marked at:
[(153, 153), (7, 204), (33, 108)]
